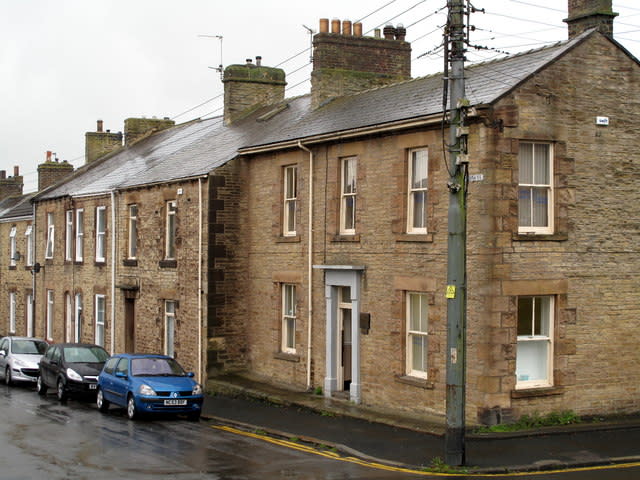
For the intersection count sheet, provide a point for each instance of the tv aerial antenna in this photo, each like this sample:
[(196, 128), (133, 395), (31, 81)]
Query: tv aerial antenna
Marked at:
[(219, 68), (310, 31)]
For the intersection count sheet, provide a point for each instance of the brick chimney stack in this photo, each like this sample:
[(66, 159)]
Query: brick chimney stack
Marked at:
[(12, 186), (249, 86), (587, 14), (52, 171), (345, 62), (97, 144), (136, 128)]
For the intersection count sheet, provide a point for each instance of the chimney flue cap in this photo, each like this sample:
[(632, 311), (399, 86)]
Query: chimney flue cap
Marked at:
[(389, 32), (258, 60), (401, 32), (99, 126)]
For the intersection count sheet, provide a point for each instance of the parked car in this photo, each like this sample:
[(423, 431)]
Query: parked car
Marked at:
[(19, 357), (148, 384), (71, 368)]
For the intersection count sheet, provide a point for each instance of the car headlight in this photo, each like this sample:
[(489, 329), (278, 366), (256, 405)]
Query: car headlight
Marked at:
[(146, 390), (73, 375), (197, 389)]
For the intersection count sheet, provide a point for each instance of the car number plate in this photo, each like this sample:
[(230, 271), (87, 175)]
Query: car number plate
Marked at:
[(93, 386), (175, 401)]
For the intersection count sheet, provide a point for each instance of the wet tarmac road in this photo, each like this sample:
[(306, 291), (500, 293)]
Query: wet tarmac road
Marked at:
[(43, 439)]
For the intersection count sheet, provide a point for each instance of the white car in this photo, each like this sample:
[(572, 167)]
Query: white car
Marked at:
[(19, 357)]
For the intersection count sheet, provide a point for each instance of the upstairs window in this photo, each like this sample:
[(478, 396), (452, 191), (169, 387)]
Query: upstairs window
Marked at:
[(13, 249), (101, 234), (170, 234), (68, 235), (28, 239), (290, 200), (348, 196), (417, 190), (79, 235), (51, 230), (535, 342), (535, 188), (132, 250)]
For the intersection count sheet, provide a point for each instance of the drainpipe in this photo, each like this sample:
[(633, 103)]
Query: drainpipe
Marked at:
[(309, 264), (200, 375), (34, 242), (113, 272)]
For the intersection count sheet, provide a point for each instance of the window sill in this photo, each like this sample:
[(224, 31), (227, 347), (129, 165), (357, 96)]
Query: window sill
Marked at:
[(12, 267), (288, 357), (415, 382), (346, 238), (100, 263), (168, 263), (130, 262), (291, 239), (414, 237), (537, 392), (536, 237)]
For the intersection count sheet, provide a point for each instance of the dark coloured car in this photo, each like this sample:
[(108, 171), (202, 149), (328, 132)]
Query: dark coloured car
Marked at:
[(148, 384), (19, 357), (71, 368)]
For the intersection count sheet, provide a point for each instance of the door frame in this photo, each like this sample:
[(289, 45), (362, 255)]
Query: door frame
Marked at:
[(341, 276)]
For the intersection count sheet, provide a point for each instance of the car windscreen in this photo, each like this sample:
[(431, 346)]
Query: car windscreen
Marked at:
[(85, 355), (162, 367), (28, 347)]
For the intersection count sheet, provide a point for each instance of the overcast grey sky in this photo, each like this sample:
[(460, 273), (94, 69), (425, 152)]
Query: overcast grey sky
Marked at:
[(65, 64)]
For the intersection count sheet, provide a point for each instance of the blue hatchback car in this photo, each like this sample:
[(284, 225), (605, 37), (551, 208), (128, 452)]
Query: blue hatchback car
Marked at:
[(148, 384)]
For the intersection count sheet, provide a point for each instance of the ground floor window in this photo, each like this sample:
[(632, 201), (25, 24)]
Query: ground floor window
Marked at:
[(29, 311), (12, 312), (49, 325), (416, 348), (169, 327), (288, 344), (78, 317), (535, 341), (100, 316)]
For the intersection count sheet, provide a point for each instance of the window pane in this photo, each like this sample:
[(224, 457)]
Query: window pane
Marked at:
[(541, 167), (418, 312), (419, 169), (525, 316), (419, 353), (524, 207), (525, 163), (349, 213), (540, 207), (349, 176), (290, 334), (291, 216), (532, 360), (419, 210)]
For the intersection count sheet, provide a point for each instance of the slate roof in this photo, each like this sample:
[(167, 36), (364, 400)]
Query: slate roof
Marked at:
[(16, 207), (196, 148)]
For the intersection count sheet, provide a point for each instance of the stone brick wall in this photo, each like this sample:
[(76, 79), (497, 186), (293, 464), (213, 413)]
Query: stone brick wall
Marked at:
[(98, 144), (52, 172), (136, 128)]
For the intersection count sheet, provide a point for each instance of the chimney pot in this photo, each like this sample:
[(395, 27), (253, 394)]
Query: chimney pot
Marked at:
[(16, 171), (324, 25), (99, 127), (357, 29), (376, 33), (249, 62), (49, 155), (401, 32), (3, 174), (346, 27), (258, 61), (389, 32), (335, 25)]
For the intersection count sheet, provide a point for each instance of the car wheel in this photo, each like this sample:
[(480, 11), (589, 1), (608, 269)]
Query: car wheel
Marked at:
[(60, 391), (41, 387), (132, 412), (7, 376), (103, 405)]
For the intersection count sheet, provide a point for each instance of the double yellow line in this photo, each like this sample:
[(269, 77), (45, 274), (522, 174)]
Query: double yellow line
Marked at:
[(380, 466)]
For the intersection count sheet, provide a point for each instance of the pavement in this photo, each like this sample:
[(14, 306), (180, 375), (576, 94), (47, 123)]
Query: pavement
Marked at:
[(408, 440)]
